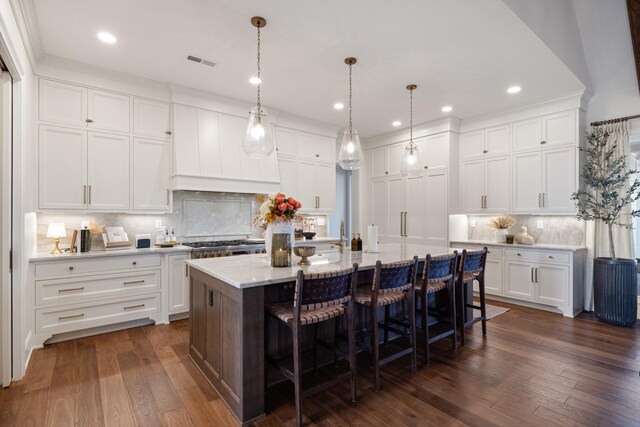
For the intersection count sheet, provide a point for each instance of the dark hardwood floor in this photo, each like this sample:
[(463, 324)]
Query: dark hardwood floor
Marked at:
[(534, 368)]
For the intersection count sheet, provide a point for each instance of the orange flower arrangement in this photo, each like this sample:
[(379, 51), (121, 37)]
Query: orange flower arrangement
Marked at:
[(276, 207)]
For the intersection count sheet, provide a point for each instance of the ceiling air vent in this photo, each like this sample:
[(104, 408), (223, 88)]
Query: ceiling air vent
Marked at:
[(202, 61)]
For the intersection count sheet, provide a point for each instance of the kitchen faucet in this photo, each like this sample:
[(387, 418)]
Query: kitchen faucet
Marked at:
[(341, 242)]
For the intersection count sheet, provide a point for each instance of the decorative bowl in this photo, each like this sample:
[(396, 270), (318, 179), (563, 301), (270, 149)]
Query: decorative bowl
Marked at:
[(304, 252), (308, 235)]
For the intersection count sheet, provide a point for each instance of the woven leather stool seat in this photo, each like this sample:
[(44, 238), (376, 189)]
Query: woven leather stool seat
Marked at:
[(284, 312), (364, 294), (431, 286)]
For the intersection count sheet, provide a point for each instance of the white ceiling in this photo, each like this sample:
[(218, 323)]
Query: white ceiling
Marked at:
[(464, 53)]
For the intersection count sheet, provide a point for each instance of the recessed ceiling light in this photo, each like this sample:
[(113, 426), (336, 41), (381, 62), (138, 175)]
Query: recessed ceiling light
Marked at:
[(255, 80), (338, 105), (514, 89), (107, 37), (396, 123), (446, 108)]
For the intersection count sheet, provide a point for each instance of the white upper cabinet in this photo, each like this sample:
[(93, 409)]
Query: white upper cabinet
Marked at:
[(305, 191), (559, 179), (435, 154), (307, 146), (315, 186), (77, 106), (185, 140), (287, 168), (108, 111), (394, 159), (326, 149), (527, 134), (108, 171), (62, 157), (379, 162), (559, 129), (472, 186), (415, 194), (527, 178), (437, 214), (151, 118), (497, 184), (150, 174), (378, 210), (269, 168), (472, 145), (395, 207), (285, 142), (208, 143), (62, 103), (494, 141), (232, 129), (326, 186)]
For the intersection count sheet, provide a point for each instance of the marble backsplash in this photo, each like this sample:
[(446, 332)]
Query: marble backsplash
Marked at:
[(196, 216), (557, 230)]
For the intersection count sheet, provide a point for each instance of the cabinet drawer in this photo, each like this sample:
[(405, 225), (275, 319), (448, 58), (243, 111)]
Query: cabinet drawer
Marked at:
[(57, 320), (75, 267), (69, 291), (538, 256)]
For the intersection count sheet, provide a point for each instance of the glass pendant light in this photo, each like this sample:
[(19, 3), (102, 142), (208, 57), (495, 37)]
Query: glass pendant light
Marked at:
[(411, 165), (257, 141), (350, 155)]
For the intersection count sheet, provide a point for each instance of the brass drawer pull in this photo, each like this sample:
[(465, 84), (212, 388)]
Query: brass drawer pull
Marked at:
[(88, 120), (168, 132), (71, 290), (134, 306), (71, 268), (135, 262), (133, 282), (71, 317), (519, 254)]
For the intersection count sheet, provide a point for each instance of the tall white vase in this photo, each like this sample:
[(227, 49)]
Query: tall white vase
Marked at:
[(278, 227), (500, 235)]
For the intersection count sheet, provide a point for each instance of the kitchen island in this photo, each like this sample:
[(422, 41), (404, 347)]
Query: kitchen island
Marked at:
[(228, 297)]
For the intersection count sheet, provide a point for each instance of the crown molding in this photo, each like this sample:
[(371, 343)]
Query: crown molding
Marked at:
[(27, 21)]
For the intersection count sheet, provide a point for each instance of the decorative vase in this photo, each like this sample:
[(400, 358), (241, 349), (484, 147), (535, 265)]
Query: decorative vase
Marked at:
[(280, 250), (615, 290), (278, 227), (500, 235)]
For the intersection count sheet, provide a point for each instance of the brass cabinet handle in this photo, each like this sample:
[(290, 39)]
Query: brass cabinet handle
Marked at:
[(167, 197), (484, 151), (318, 202), (317, 155), (168, 132), (71, 289), (135, 262), (543, 200), (71, 317), (89, 194), (401, 221), (536, 274), (134, 306), (386, 173), (543, 142), (84, 194), (186, 269), (70, 268), (485, 202), (426, 167), (133, 282), (551, 256), (88, 120), (481, 202), (539, 202), (532, 275), (519, 254)]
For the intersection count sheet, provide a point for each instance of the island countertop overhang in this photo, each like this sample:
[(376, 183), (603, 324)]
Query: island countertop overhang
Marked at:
[(247, 271)]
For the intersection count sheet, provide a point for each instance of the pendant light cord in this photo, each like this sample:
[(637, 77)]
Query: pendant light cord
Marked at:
[(411, 118), (350, 96), (259, 69)]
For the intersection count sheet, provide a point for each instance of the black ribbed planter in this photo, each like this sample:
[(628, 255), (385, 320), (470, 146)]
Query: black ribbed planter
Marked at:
[(615, 290)]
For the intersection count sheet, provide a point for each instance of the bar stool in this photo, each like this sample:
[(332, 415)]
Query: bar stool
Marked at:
[(392, 283), (438, 275), (471, 267), (318, 297)]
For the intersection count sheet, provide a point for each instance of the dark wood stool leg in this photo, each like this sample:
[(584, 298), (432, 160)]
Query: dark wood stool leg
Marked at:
[(386, 325), (351, 326), (315, 348), (424, 306), (266, 350), (411, 295), (335, 341), (297, 372), (483, 307), (463, 319), (375, 346), (452, 314)]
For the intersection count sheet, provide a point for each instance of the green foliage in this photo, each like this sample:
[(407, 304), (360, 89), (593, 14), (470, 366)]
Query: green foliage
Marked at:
[(610, 185)]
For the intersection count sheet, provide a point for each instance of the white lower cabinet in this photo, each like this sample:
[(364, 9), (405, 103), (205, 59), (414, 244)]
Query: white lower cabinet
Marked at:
[(178, 283), (545, 277), (73, 293)]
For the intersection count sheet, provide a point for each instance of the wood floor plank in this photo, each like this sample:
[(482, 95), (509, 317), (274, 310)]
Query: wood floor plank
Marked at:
[(116, 405), (164, 393), (45, 360), (33, 409), (177, 418), (60, 411), (10, 399), (198, 406), (88, 401), (144, 406), (144, 350), (180, 377)]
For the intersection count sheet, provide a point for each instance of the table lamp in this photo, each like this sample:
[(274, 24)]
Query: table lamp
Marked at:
[(55, 231)]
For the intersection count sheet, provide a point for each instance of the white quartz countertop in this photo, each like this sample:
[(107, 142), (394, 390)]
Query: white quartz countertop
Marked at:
[(45, 256), (247, 271), (557, 247)]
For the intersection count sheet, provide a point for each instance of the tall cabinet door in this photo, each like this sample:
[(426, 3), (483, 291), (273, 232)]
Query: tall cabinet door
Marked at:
[(62, 158), (436, 151), (559, 179), (379, 197), (232, 131), (526, 182), (394, 205), (287, 168), (108, 166), (178, 284), (325, 186), (150, 177), (209, 143), (108, 111), (414, 207), (62, 103), (497, 188), (306, 184), (472, 185), (436, 208), (379, 162), (186, 153)]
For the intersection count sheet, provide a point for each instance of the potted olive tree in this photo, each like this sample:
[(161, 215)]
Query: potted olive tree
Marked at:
[(609, 187)]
